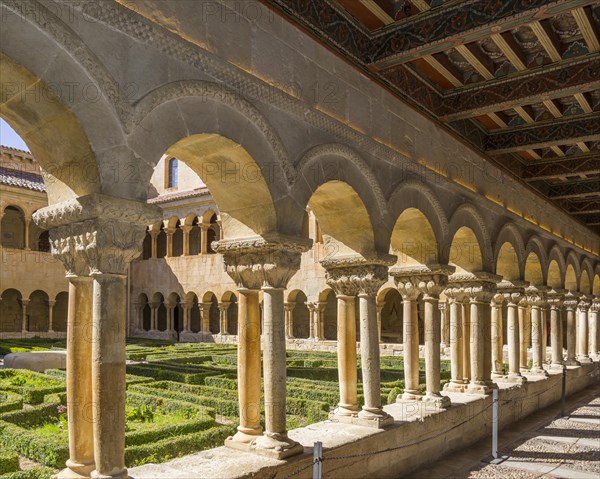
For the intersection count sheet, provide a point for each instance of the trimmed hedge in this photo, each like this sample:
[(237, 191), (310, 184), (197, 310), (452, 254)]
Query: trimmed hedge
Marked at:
[(9, 462), (31, 395), (36, 473), (10, 401), (166, 449)]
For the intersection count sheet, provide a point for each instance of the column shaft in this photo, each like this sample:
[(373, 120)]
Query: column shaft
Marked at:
[(411, 350), (477, 346), (79, 378), (497, 340), (555, 339), (582, 335), (524, 334), (456, 344), (536, 339), (346, 332), (432, 350), (108, 375), (466, 351), (514, 342), (571, 360), (593, 330), (248, 366)]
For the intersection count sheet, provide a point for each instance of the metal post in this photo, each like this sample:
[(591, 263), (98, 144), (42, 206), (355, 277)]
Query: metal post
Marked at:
[(564, 391), (318, 460), (495, 459)]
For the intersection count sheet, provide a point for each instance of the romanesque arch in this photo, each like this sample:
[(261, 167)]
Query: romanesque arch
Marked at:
[(468, 244), (509, 252), (11, 312)]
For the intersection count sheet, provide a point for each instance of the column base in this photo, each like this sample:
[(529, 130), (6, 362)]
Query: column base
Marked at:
[(535, 371), (345, 410), (498, 374), (455, 387), (478, 387), (555, 366), (513, 379), (410, 395), (440, 402), (276, 446), (595, 357), (572, 362), (118, 475), (376, 418), (584, 359), (75, 471), (244, 435)]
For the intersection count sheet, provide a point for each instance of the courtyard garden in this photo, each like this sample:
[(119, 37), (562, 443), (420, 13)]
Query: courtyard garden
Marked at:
[(181, 398)]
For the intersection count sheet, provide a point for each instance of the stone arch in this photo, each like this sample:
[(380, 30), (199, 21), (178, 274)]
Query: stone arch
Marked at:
[(300, 314), (534, 272), (13, 227), (585, 285), (417, 195), (477, 243), (465, 251), (37, 312), (324, 166), (596, 285), (555, 255), (174, 301), (214, 324), (554, 275), (329, 314), (146, 311), (507, 262), (413, 239), (226, 141), (11, 313), (391, 316), (191, 298), (158, 301), (587, 271), (509, 234), (232, 312), (572, 262), (60, 312)]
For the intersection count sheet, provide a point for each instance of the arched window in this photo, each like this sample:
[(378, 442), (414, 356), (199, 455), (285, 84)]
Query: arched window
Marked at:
[(44, 242), (172, 173)]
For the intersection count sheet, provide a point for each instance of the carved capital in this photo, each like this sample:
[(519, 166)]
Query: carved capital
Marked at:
[(585, 302), (536, 295), (571, 301), (353, 275), (595, 307), (96, 234), (513, 291), (289, 306), (479, 287), (430, 280), (254, 263)]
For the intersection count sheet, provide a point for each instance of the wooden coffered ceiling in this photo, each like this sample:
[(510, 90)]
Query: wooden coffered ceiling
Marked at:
[(518, 79)]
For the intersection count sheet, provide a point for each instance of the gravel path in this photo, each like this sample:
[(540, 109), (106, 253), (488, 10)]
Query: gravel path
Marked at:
[(566, 447)]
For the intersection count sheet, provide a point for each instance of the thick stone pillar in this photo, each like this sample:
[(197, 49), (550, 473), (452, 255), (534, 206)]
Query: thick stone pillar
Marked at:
[(349, 277), (79, 379), (51, 304), (456, 383), (268, 264), (571, 301), (555, 300), (497, 336), (205, 328), (536, 299), (24, 304), (582, 330), (100, 235), (289, 319)]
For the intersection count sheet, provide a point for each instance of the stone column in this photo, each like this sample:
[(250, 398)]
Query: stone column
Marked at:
[(169, 232), (312, 315), (497, 336), (466, 332), (187, 309), (349, 277), (571, 301), (101, 235), (27, 221), (582, 331), (267, 264), (593, 317), (154, 316), (544, 311), (555, 299), (51, 304), (379, 306), (224, 322), (431, 282), (536, 300), (524, 334), (24, 304), (205, 328), (186, 239), (289, 319), (409, 292), (456, 383), (203, 238), (154, 232), (79, 379), (445, 324), (320, 320), (513, 293)]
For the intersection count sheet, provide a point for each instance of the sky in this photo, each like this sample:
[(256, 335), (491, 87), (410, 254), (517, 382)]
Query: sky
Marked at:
[(8, 137)]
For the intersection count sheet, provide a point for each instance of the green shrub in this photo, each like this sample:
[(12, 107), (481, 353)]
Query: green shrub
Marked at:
[(393, 394), (10, 401), (9, 462), (35, 473)]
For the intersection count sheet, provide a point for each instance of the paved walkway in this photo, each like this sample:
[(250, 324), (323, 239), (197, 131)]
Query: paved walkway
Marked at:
[(542, 445)]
